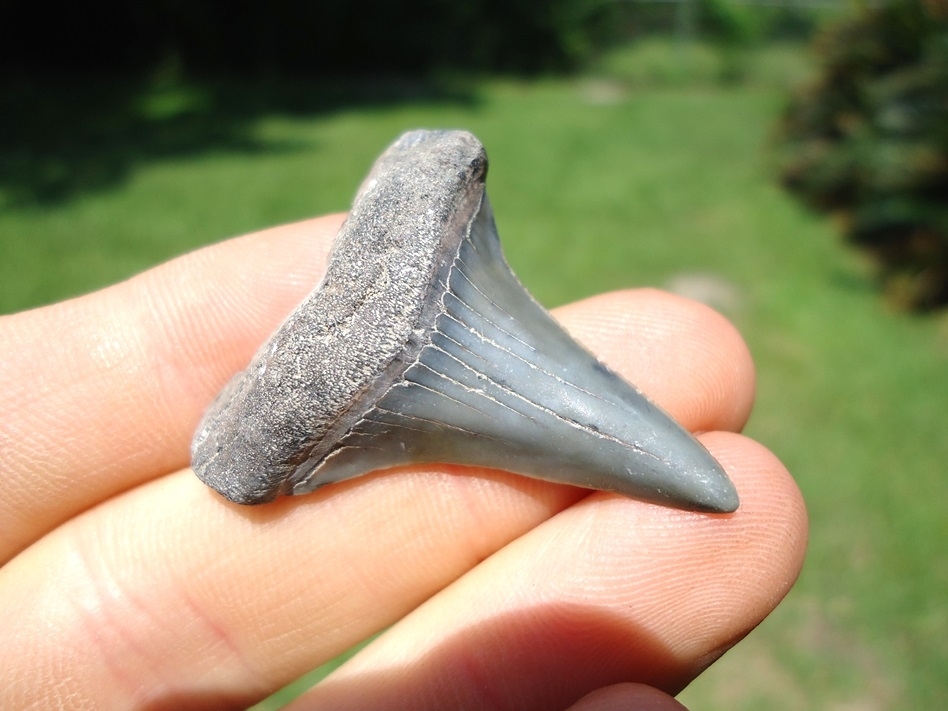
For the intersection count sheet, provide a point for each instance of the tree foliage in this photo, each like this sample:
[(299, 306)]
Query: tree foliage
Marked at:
[(300, 37), (869, 142)]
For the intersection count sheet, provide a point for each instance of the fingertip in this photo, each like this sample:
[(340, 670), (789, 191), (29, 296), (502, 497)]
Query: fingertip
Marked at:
[(772, 509), (627, 697), (755, 554)]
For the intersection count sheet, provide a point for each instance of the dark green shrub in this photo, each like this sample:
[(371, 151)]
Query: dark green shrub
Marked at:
[(301, 37), (868, 141)]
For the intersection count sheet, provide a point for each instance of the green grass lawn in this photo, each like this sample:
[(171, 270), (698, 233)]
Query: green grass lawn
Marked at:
[(600, 183)]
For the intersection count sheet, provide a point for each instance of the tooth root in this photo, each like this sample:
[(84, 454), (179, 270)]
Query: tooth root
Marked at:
[(420, 345), (500, 384)]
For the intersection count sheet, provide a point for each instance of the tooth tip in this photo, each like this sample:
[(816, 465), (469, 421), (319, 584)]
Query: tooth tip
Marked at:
[(702, 483), (721, 498), (710, 491), (726, 497)]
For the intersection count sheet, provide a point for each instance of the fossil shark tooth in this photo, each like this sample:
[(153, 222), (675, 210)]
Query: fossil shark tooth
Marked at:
[(420, 345)]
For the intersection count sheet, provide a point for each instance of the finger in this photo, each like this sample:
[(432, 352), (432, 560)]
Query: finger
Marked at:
[(627, 697), (610, 590), (113, 399), (169, 589), (103, 392)]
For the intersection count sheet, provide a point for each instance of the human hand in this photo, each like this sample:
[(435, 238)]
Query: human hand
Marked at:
[(129, 584)]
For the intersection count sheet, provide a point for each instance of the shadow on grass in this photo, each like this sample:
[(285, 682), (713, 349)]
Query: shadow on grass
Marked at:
[(63, 137)]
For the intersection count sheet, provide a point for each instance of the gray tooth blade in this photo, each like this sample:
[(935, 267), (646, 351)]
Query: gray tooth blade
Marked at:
[(420, 345), (500, 384)]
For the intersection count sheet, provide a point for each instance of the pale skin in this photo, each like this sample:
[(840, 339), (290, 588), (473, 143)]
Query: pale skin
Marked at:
[(128, 584)]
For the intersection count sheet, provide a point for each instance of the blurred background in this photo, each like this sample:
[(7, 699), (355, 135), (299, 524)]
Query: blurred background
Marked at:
[(785, 162)]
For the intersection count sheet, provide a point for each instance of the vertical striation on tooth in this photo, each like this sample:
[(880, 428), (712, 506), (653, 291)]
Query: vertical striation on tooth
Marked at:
[(420, 345)]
